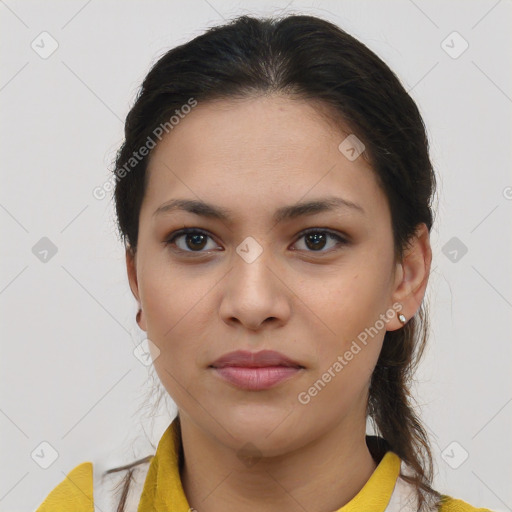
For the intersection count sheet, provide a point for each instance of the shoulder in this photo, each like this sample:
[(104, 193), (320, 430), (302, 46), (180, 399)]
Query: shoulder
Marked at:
[(449, 504), (404, 498), (126, 482), (75, 492), (89, 487)]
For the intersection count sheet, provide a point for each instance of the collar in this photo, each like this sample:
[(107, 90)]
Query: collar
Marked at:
[(163, 489)]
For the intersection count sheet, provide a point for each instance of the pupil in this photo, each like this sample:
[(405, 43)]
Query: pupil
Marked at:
[(317, 238), (197, 238)]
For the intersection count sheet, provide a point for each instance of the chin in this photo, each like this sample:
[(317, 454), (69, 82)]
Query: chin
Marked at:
[(266, 427)]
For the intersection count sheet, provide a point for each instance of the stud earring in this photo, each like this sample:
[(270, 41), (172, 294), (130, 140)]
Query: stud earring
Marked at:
[(402, 318)]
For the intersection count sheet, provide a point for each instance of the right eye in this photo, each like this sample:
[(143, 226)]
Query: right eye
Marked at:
[(194, 240)]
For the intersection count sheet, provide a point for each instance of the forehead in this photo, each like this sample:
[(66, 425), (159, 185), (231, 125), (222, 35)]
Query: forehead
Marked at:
[(266, 151), (254, 130)]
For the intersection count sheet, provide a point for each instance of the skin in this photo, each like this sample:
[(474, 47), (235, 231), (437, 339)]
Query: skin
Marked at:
[(254, 156)]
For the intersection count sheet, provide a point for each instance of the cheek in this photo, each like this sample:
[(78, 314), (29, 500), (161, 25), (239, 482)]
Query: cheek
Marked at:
[(345, 314), (170, 298), (173, 308), (348, 302)]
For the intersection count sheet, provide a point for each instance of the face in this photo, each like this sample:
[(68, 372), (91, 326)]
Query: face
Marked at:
[(252, 281)]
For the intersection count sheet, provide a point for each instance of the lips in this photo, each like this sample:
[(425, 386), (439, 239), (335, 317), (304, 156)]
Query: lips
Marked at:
[(262, 359), (255, 371)]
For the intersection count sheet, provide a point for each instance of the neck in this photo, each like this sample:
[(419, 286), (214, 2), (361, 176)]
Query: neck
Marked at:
[(322, 476)]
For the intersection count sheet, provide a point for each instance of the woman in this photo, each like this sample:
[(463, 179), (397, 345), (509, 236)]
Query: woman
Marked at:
[(274, 195)]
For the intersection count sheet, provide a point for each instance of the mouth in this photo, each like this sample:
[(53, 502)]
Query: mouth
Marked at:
[(255, 371)]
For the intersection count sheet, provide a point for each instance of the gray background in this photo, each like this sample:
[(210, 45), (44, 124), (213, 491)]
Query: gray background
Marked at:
[(69, 374)]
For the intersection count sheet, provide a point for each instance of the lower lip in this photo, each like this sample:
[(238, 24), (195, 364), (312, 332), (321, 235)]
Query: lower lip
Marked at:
[(255, 379)]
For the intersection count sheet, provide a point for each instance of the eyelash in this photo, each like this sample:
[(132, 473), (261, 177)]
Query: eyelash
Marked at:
[(186, 231)]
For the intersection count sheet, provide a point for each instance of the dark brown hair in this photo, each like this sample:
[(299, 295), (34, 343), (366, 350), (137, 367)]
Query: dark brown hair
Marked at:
[(308, 58)]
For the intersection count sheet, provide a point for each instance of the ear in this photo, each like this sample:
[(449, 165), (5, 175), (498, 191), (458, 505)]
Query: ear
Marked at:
[(411, 276), (131, 268)]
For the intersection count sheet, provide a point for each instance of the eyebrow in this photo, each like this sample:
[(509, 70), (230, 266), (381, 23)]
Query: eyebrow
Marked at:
[(203, 209)]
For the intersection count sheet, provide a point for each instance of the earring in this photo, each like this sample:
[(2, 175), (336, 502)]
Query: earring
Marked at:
[(402, 318)]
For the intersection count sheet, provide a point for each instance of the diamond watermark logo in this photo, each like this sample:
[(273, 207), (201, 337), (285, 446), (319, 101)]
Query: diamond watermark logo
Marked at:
[(44, 455), (44, 45), (146, 352), (249, 250), (351, 147), (44, 250), (454, 455), (249, 455), (454, 45), (454, 249)]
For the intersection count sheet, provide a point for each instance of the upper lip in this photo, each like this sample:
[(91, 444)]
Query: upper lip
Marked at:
[(254, 359)]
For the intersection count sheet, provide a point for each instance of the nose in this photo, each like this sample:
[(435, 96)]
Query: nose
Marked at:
[(255, 294)]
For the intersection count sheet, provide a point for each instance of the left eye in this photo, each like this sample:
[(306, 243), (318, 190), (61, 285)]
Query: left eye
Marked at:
[(195, 239), (316, 239)]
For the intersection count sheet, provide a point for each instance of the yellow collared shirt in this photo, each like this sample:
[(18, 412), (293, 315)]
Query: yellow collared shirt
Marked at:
[(158, 487)]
